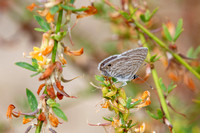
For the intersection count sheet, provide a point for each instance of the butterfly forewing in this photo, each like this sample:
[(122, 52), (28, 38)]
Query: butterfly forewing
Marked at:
[(134, 52), (125, 65)]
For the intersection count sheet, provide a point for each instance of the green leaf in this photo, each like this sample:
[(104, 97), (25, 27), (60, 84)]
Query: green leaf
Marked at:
[(147, 16), (52, 103), (35, 74), (152, 115), (142, 17), (114, 79), (59, 113), (35, 63), (167, 33), (121, 118), (160, 114), (99, 78), (152, 14), (39, 29), (125, 15), (135, 103), (72, 1), (26, 66), (179, 29), (163, 87), (108, 119), (29, 116), (171, 87), (196, 52), (129, 123), (73, 9), (60, 36), (128, 103), (54, 9), (44, 25), (133, 125), (31, 100)]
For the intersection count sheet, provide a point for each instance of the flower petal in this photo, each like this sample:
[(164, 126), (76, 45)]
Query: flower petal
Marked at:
[(75, 53)]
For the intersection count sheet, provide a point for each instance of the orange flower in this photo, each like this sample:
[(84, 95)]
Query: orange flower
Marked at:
[(105, 105), (62, 59), (53, 120), (9, 112), (49, 17), (40, 88), (42, 117), (116, 123), (31, 7), (51, 92), (145, 95), (47, 73), (173, 76), (75, 53), (189, 82), (27, 120), (90, 11)]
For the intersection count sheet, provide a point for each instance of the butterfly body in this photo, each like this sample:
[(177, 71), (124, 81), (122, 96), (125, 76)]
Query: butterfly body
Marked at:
[(123, 66)]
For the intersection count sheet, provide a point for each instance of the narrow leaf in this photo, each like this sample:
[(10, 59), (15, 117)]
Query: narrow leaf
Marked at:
[(52, 103), (44, 25), (59, 113), (150, 16), (26, 66), (196, 52), (31, 100), (35, 63), (163, 87), (128, 103), (73, 9), (39, 29), (171, 87), (152, 115), (114, 79), (35, 74), (108, 119), (54, 9), (29, 116), (167, 33), (135, 103), (121, 118), (179, 29), (190, 52), (99, 78), (160, 114)]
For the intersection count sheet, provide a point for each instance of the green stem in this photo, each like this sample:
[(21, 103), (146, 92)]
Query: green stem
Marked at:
[(156, 81), (39, 127), (58, 25), (163, 45)]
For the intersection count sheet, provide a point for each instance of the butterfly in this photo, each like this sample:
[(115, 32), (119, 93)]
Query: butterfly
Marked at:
[(123, 66)]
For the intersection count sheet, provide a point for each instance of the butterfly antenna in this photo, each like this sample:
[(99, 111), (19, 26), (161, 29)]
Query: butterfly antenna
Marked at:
[(145, 82)]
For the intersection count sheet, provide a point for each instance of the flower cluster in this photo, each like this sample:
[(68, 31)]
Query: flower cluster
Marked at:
[(115, 99), (49, 59)]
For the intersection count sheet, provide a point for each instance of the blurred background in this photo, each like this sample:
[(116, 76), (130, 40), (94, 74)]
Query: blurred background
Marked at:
[(96, 35)]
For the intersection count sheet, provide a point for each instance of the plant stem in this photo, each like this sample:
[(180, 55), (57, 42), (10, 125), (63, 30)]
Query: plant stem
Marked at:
[(156, 81), (39, 127), (163, 45), (58, 25)]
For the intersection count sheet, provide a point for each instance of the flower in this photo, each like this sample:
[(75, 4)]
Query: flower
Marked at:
[(140, 129), (31, 7), (75, 53)]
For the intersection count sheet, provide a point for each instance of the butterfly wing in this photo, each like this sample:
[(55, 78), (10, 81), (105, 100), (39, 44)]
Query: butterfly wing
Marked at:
[(142, 51), (126, 65)]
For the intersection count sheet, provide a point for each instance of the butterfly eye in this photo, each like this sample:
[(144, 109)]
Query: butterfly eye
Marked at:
[(109, 64)]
